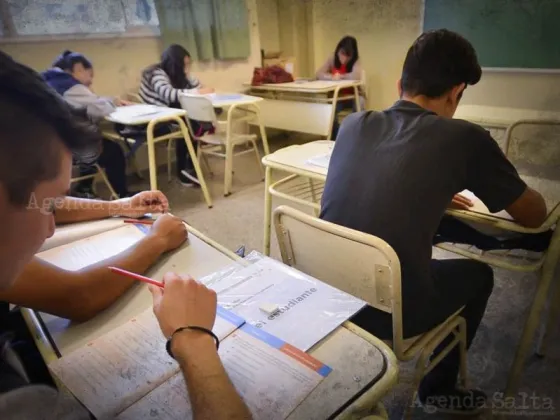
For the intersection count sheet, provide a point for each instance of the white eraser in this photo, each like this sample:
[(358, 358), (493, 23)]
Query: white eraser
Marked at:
[(269, 308)]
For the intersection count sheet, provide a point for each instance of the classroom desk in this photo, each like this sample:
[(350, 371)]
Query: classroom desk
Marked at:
[(140, 114), (364, 368), (303, 186), (303, 106)]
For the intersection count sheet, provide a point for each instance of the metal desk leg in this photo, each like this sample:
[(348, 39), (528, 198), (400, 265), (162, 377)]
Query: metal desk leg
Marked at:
[(530, 326), (267, 210), (152, 157), (264, 138)]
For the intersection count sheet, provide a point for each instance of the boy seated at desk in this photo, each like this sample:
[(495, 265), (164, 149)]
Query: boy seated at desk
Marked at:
[(38, 135), (393, 173)]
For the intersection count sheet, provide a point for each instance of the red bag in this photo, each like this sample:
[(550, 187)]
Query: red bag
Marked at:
[(272, 74)]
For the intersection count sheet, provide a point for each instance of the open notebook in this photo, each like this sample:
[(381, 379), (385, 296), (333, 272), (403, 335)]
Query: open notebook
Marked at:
[(89, 250), (128, 374)]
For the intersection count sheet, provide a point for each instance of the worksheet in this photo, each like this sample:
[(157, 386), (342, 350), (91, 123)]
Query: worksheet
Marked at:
[(284, 302), (87, 251), (113, 372), (273, 378)]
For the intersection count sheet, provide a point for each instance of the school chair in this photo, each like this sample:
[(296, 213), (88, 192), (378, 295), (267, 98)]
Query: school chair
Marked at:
[(100, 173), (363, 88), (366, 267), (543, 264), (199, 108)]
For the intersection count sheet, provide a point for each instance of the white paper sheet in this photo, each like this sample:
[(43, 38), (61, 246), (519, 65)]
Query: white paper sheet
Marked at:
[(272, 378), (308, 309), (66, 234), (118, 369), (136, 110), (79, 254), (321, 161), (480, 207)]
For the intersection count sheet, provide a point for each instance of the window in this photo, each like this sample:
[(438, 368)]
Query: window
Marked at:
[(32, 19)]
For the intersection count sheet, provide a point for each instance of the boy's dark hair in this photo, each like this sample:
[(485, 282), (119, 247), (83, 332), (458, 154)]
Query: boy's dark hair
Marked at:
[(68, 59), (436, 62), (349, 45), (35, 125)]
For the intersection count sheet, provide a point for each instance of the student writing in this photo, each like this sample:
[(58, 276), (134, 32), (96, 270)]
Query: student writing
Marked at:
[(161, 84), (38, 134), (400, 169), (344, 64)]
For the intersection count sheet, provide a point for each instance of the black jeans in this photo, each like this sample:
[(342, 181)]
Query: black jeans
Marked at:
[(113, 161), (457, 283), (341, 106)]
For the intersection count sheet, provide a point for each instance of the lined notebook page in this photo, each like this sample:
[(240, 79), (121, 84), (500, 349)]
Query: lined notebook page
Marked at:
[(77, 255)]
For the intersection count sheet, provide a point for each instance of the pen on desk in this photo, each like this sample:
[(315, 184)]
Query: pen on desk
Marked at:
[(136, 276), (140, 221)]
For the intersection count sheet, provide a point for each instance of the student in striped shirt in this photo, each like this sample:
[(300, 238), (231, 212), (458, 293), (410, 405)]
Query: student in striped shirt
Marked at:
[(161, 84)]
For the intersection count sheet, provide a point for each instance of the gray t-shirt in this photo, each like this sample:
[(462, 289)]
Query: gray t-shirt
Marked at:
[(393, 173)]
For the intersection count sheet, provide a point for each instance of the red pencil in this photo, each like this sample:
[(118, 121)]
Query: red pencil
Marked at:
[(136, 276), (139, 221)]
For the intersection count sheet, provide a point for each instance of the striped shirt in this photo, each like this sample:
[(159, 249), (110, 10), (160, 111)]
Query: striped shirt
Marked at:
[(156, 88)]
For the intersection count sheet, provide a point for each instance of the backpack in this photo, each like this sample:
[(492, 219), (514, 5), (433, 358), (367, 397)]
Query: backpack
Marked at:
[(271, 74)]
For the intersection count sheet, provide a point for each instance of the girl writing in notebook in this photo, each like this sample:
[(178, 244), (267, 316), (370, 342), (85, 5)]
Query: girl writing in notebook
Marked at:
[(344, 64), (161, 84)]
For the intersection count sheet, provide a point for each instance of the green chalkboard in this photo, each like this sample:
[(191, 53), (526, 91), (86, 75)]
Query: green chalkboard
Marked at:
[(521, 34)]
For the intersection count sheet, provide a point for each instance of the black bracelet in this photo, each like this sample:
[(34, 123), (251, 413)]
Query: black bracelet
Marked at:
[(191, 327)]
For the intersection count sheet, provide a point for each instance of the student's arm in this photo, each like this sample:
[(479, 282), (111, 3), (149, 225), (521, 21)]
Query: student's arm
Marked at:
[(529, 209), (162, 86), (356, 73), (185, 302), (493, 179), (72, 209), (97, 107), (80, 295), (324, 72)]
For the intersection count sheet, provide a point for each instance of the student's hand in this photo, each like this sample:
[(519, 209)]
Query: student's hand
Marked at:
[(205, 90), (460, 202), (170, 230), (183, 302), (140, 204), (336, 76), (122, 102)]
